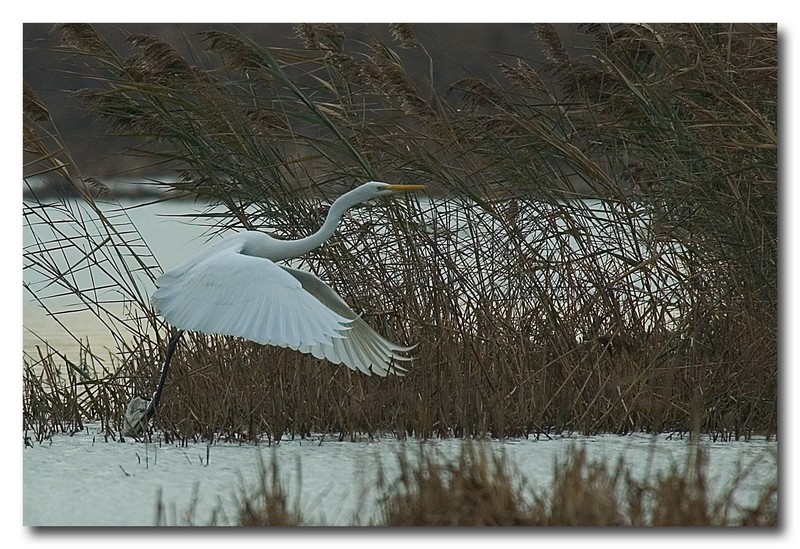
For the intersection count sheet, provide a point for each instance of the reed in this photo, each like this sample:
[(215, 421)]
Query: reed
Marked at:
[(590, 493), (598, 253)]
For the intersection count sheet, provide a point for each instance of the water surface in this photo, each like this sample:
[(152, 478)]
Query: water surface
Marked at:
[(82, 480)]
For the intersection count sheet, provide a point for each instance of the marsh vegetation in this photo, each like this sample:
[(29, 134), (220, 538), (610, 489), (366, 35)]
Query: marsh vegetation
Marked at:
[(527, 321)]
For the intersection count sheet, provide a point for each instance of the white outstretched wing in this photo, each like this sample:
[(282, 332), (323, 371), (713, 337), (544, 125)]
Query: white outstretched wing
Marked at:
[(361, 348), (224, 291)]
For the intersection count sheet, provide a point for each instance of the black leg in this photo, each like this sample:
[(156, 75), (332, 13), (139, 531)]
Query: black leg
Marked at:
[(173, 344)]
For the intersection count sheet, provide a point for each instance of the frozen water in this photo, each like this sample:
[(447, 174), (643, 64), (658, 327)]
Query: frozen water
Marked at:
[(84, 480)]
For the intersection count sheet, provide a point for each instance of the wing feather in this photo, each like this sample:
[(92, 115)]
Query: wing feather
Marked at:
[(361, 348), (226, 291)]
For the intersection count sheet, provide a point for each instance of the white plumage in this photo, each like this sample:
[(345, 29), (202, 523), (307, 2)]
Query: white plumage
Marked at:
[(236, 288)]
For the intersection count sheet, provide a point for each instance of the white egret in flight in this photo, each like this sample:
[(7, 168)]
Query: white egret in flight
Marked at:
[(235, 287)]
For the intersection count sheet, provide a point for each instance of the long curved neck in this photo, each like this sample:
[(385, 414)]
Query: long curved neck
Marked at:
[(296, 248)]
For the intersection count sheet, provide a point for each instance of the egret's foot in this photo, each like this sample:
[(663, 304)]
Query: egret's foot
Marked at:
[(136, 416)]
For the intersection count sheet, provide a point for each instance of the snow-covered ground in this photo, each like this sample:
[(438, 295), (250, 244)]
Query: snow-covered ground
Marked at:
[(83, 480)]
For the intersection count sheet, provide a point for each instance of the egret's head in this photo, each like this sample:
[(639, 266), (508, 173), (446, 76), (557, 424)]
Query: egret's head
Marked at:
[(377, 188), (371, 190)]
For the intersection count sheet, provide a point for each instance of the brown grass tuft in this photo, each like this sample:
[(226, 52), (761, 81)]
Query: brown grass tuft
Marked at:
[(270, 505), (477, 490)]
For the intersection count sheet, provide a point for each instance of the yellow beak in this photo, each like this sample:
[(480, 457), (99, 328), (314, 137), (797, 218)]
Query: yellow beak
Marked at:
[(399, 188)]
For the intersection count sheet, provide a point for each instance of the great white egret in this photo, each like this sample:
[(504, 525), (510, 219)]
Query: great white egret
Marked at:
[(235, 287)]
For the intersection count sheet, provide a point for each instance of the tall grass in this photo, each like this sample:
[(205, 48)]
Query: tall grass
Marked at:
[(651, 306)]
